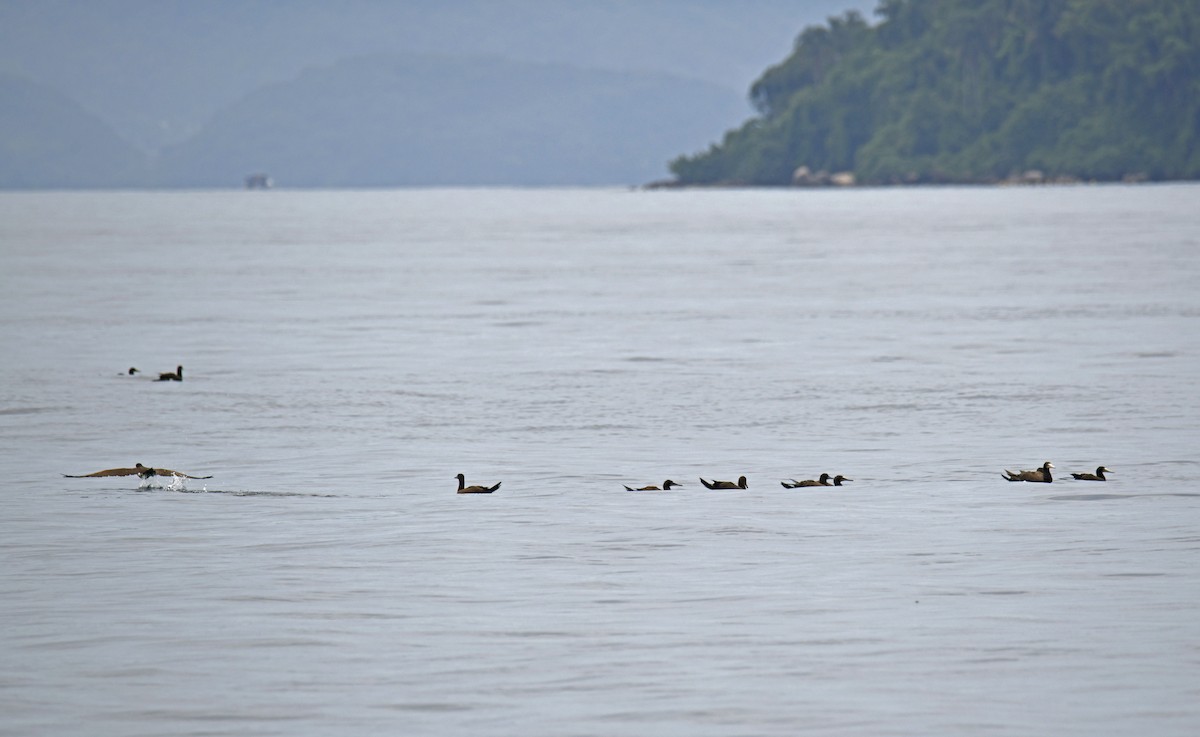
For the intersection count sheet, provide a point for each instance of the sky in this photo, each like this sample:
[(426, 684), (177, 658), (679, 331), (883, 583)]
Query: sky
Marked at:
[(184, 80)]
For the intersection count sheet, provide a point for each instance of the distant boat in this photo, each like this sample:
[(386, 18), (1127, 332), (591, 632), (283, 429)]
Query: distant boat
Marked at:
[(259, 180)]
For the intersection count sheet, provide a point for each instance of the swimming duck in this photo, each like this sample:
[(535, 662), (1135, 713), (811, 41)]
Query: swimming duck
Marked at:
[(464, 489), (666, 485), (823, 481), (1097, 476), (177, 375), (139, 470), (741, 484), (837, 480), (1038, 476), (132, 371)]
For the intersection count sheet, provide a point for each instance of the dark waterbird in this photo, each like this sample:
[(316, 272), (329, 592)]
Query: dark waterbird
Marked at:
[(139, 470), (464, 489), (666, 485), (823, 481), (741, 484), (1037, 476), (1097, 476), (176, 375)]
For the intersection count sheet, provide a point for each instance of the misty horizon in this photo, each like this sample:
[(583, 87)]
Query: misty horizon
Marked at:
[(131, 93)]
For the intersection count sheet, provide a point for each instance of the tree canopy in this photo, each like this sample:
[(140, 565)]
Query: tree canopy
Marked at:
[(976, 91)]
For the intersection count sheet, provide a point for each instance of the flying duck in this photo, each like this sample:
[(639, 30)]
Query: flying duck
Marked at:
[(1097, 476), (138, 470), (823, 481), (177, 375), (464, 489), (1037, 476), (741, 484), (666, 485)]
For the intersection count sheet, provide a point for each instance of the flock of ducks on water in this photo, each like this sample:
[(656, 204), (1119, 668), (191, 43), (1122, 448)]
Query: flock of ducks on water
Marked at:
[(1037, 475), (741, 483)]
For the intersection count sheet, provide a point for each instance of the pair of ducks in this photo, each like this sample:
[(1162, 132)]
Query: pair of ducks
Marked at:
[(823, 481), (176, 375), (741, 483), (1042, 475)]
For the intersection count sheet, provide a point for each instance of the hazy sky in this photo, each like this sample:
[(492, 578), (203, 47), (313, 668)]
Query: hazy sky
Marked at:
[(211, 77), (177, 61)]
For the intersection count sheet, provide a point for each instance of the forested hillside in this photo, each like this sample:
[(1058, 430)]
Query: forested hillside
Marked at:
[(976, 91)]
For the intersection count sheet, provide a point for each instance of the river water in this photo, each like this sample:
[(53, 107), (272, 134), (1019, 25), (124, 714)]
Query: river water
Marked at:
[(347, 353)]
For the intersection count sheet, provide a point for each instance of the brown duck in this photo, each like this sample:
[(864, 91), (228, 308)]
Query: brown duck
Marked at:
[(138, 470), (176, 375), (823, 481), (666, 485), (464, 489), (1037, 476), (741, 484), (1097, 476)]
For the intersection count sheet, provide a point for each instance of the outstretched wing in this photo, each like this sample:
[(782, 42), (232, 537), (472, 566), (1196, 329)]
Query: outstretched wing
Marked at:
[(169, 472), (107, 472)]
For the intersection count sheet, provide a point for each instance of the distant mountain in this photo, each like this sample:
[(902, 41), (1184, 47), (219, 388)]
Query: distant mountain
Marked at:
[(48, 140), (157, 70), (397, 120), (212, 90)]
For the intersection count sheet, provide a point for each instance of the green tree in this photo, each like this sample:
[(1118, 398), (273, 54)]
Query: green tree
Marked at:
[(976, 90)]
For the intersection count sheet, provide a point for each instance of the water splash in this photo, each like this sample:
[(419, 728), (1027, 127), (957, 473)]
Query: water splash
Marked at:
[(178, 483)]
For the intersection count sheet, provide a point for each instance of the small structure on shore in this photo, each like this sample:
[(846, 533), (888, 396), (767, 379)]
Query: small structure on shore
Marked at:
[(259, 180), (805, 177)]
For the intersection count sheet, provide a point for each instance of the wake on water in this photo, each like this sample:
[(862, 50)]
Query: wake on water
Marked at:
[(178, 483)]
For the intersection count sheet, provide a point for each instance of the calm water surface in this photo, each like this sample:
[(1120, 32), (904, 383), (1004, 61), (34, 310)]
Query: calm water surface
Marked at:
[(346, 354)]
